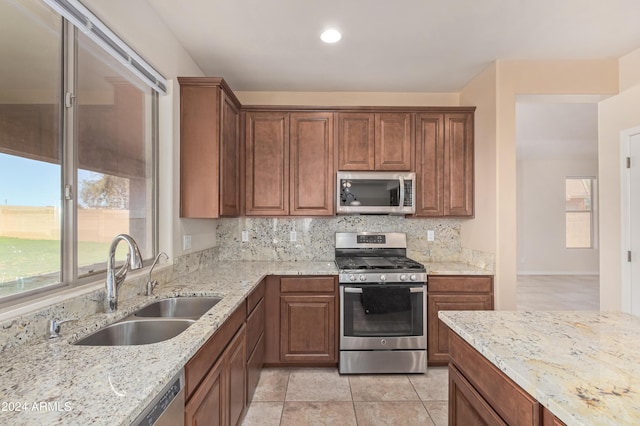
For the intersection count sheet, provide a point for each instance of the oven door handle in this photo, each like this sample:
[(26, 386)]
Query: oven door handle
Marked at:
[(359, 290)]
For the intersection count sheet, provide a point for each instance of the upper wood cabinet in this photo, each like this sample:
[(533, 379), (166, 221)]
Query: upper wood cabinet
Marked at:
[(209, 149), (311, 164), (289, 163), (444, 164), (375, 141), (267, 163)]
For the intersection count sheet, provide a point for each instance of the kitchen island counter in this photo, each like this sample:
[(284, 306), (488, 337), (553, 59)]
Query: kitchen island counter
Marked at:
[(584, 367), (54, 382)]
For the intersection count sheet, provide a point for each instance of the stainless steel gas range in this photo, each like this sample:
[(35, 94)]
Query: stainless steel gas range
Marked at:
[(383, 308)]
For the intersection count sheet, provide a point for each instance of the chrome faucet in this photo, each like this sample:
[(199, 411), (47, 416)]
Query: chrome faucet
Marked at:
[(115, 279), (152, 284), (54, 327)]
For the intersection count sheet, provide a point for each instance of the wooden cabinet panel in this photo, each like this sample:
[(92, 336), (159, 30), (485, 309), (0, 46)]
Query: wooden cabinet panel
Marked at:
[(272, 321), (236, 359), (255, 326), (198, 366), (430, 164), (254, 366), (267, 163), (230, 158), (506, 398), (312, 164), (437, 331), (451, 293), (548, 419), (356, 142), (393, 141), (209, 148), (458, 165), (307, 284), (307, 328), (466, 405), (207, 405)]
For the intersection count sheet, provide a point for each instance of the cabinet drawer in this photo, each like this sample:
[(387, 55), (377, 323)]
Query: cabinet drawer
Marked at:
[(255, 326), (461, 284), (511, 402), (256, 295), (198, 366), (307, 284)]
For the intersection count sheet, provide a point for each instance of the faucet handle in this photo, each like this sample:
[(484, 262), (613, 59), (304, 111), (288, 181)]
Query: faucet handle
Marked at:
[(54, 327)]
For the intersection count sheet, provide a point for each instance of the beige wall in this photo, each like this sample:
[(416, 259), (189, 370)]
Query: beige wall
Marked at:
[(615, 114), (348, 98), (541, 219), (494, 92)]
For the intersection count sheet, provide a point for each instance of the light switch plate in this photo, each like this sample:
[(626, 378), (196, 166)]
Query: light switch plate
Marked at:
[(293, 236), (431, 235), (186, 242), (245, 236)]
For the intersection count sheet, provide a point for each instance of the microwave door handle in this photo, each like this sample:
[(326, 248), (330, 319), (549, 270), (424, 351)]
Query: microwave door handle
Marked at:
[(352, 290), (401, 192)]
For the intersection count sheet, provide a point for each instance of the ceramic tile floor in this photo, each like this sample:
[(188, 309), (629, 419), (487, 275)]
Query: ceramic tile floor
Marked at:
[(558, 292), (324, 397)]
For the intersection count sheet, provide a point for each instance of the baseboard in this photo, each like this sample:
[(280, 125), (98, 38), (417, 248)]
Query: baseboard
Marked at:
[(557, 273)]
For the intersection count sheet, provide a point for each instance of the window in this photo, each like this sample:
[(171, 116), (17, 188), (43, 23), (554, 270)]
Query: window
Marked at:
[(579, 212), (72, 176)]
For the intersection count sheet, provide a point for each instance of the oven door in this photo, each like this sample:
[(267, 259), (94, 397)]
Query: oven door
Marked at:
[(383, 317)]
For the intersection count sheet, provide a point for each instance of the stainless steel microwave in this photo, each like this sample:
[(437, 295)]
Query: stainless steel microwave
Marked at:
[(376, 193)]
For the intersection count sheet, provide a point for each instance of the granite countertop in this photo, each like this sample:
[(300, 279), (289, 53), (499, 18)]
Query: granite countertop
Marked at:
[(583, 366), (56, 383)]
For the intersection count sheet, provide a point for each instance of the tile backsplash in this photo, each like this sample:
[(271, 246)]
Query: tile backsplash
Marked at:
[(269, 238)]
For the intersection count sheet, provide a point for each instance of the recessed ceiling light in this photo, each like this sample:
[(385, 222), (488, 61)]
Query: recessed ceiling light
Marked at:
[(330, 35)]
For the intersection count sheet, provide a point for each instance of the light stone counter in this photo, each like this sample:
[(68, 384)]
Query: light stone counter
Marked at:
[(583, 366), (53, 382), (454, 268)]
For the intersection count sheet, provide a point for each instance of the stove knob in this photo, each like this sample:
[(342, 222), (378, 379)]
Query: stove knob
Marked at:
[(403, 277), (413, 277), (383, 278), (352, 277), (362, 277)]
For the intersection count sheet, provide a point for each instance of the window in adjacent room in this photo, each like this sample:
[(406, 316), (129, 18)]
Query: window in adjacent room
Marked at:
[(579, 212)]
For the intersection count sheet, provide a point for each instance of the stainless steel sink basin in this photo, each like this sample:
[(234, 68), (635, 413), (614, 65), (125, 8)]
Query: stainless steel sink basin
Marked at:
[(136, 332), (178, 307)]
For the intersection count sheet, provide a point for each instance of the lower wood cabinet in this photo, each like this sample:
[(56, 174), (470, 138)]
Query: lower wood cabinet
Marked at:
[(215, 377), (255, 338), (301, 321), (481, 394), (452, 293)]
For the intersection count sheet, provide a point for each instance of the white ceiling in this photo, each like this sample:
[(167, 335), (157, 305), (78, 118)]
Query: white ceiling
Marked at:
[(390, 45)]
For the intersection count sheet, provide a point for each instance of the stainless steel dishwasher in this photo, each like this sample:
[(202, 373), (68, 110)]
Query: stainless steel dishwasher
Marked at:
[(166, 409)]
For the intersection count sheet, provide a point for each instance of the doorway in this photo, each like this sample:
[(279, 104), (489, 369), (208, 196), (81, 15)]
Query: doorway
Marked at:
[(557, 215), (630, 151)]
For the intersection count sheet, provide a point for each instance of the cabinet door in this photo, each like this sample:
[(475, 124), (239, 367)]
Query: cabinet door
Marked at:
[(230, 158), (208, 404), (307, 332), (236, 359), (437, 331), (312, 164), (458, 164), (393, 141), (429, 164), (267, 167), (466, 405), (356, 142), (199, 151)]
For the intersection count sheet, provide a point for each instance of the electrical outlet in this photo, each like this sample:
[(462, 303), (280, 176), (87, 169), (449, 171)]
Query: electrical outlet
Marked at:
[(293, 236), (431, 235), (245, 236), (186, 242)]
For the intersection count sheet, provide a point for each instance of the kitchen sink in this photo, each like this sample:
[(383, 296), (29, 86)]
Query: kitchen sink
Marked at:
[(178, 307), (136, 332)]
